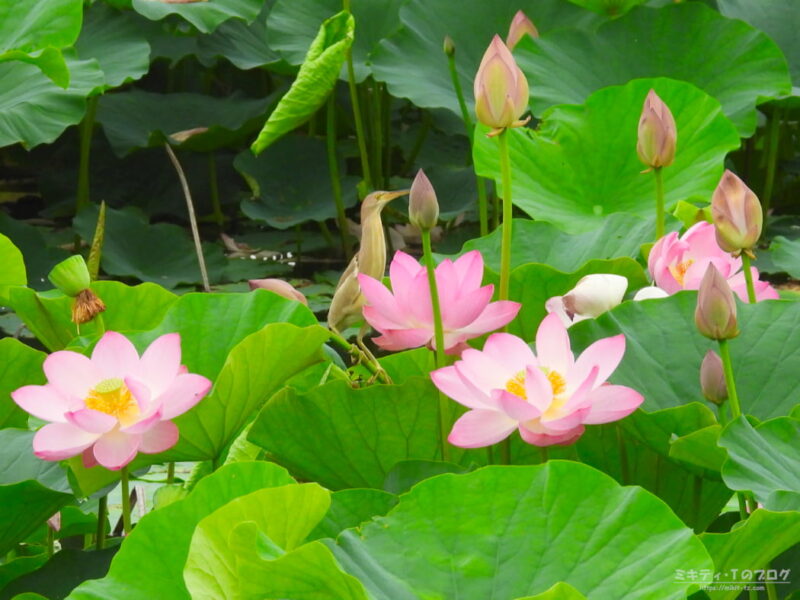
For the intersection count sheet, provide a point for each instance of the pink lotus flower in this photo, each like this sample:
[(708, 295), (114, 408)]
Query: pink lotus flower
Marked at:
[(679, 263), (549, 396), (404, 316), (501, 90), (114, 404)]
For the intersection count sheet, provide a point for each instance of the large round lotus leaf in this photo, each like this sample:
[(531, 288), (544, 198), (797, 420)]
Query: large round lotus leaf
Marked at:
[(779, 19), (291, 183), (728, 59), (19, 365), (612, 8), (139, 119), (206, 16), (617, 236), (581, 164), (664, 352), (292, 26), (764, 460), (34, 110), (507, 532), (33, 31), (413, 64), (150, 563), (13, 272), (245, 45), (116, 40)]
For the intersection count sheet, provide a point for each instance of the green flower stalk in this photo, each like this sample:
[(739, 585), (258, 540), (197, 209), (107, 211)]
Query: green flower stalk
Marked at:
[(423, 212), (501, 97), (657, 140)]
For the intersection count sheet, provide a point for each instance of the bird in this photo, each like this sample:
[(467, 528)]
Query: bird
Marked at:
[(345, 309)]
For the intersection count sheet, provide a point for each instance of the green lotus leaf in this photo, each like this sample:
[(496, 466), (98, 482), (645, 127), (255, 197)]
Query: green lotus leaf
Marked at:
[(159, 545), (206, 16), (580, 165), (764, 459), (314, 82), (728, 59), (664, 352), (19, 365), (414, 66), (292, 26), (13, 272)]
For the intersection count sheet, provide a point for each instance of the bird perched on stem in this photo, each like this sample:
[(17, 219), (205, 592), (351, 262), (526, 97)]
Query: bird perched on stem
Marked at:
[(370, 260)]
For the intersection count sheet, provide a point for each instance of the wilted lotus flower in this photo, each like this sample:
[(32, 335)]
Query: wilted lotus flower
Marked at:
[(712, 378), (657, 133), (501, 90), (679, 263), (71, 277), (548, 396), (423, 208), (278, 286), (114, 404), (591, 297), (715, 315), (521, 26), (737, 214), (404, 316)]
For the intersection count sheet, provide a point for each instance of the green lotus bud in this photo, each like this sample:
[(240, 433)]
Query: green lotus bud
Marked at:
[(712, 378), (423, 208), (449, 46), (657, 133), (715, 315), (71, 276), (521, 26), (737, 214)]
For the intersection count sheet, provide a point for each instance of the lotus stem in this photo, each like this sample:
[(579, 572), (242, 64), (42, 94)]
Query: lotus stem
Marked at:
[(438, 330), (773, 136), (192, 219), (51, 541), (336, 184), (748, 278), (483, 206), (370, 365), (376, 132), (170, 472), (351, 84), (505, 451), (660, 218), (102, 516), (86, 129), (213, 188), (126, 501), (505, 248)]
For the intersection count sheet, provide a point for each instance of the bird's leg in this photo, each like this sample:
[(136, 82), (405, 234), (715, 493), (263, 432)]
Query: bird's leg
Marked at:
[(379, 371)]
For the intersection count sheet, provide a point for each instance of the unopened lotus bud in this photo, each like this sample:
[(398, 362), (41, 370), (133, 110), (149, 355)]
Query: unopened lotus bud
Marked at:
[(54, 522), (449, 46), (595, 294), (657, 133), (712, 378), (423, 208), (737, 214), (280, 287), (71, 276), (715, 315), (650, 292), (521, 26), (501, 90)]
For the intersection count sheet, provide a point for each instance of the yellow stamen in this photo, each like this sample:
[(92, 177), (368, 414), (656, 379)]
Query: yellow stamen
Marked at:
[(679, 271), (112, 397), (516, 385)]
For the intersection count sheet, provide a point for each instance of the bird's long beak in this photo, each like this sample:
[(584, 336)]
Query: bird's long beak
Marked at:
[(389, 196)]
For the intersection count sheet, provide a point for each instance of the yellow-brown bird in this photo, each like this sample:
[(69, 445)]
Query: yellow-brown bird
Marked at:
[(370, 260)]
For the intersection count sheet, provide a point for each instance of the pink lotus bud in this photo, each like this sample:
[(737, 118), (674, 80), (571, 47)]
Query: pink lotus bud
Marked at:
[(657, 133), (520, 26), (423, 208), (715, 315), (278, 286), (737, 214), (712, 378), (501, 90)]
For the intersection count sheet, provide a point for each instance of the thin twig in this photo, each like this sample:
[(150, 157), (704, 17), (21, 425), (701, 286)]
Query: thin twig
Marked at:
[(192, 219)]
